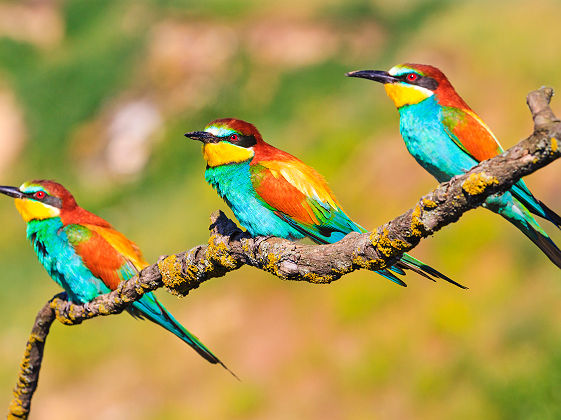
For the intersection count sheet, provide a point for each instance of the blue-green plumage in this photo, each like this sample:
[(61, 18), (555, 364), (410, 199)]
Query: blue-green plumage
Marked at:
[(429, 143), (233, 184), (61, 261)]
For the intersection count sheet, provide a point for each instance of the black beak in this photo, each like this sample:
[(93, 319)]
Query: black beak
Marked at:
[(11, 191), (202, 136), (376, 75)]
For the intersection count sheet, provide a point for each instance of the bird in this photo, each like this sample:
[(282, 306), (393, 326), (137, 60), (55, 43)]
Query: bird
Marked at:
[(273, 193), (447, 138), (86, 256)]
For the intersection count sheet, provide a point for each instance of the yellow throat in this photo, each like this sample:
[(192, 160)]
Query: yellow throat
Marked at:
[(402, 94), (222, 153), (34, 210)]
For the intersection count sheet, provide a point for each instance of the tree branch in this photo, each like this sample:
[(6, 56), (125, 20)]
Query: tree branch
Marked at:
[(229, 248), (31, 364)]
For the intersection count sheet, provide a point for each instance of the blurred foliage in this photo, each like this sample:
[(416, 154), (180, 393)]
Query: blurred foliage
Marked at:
[(360, 348)]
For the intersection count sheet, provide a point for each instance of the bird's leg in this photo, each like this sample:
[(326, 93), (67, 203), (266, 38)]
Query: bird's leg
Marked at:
[(87, 307)]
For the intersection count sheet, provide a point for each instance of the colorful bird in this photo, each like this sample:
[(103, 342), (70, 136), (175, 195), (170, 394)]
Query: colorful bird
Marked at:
[(272, 193), (85, 255), (447, 138)]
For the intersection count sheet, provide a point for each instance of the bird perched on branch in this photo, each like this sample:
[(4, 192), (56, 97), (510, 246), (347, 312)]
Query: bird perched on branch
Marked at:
[(272, 193), (447, 138), (85, 255)]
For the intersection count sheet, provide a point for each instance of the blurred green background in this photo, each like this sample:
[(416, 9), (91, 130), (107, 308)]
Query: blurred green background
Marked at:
[(97, 95)]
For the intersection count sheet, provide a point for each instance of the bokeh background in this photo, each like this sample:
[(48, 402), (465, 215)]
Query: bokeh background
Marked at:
[(98, 93)]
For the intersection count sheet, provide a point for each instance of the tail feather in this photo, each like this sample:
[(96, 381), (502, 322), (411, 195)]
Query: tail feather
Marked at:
[(392, 277), (544, 243), (535, 206), (148, 307), (550, 214), (413, 264), (513, 210)]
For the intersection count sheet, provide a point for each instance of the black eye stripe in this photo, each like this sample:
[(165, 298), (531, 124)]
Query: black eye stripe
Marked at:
[(53, 201), (48, 199), (422, 81), (244, 141)]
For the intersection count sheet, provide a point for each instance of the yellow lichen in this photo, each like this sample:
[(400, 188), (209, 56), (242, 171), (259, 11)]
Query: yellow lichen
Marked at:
[(342, 271), (138, 289), (272, 264), (417, 226), (362, 262), (170, 269), (428, 204), (318, 278), (16, 408), (218, 251), (191, 271), (477, 183), (385, 245), (57, 306), (25, 380)]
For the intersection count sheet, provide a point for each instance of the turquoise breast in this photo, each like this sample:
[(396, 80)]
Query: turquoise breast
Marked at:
[(233, 184), (61, 261), (426, 139)]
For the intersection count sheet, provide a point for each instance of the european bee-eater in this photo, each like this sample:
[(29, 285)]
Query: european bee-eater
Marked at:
[(273, 193), (85, 255), (447, 138)]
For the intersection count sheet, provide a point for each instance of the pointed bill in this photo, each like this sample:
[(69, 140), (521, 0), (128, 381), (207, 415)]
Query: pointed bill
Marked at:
[(202, 136), (376, 75), (11, 191)]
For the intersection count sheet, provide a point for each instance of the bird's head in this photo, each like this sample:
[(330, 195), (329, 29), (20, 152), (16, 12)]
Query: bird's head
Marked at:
[(40, 199), (409, 84), (227, 141)]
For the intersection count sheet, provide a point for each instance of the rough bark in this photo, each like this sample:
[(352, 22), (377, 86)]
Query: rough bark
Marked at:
[(229, 248), (31, 364)]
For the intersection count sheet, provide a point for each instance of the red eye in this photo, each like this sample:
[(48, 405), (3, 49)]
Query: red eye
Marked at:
[(411, 77), (39, 195), (234, 137)]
